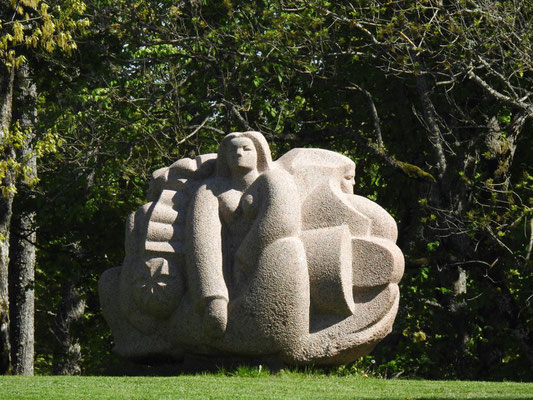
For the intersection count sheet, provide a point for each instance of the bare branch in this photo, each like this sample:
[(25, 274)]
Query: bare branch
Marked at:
[(373, 111), (356, 23), (237, 114), (190, 135), (530, 247), (500, 96), (430, 116)]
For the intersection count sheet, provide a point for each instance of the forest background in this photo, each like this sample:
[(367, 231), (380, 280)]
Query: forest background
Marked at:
[(432, 100)]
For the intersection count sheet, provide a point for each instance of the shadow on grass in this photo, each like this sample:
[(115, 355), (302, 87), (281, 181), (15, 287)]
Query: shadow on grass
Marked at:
[(192, 364)]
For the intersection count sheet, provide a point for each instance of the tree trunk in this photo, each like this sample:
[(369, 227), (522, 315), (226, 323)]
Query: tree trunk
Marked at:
[(21, 289), (448, 200), (67, 354), (22, 262), (5, 220), (6, 204)]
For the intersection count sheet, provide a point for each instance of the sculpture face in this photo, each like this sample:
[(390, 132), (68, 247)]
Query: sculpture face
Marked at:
[(242, 155), (348, 180), (282, 260)]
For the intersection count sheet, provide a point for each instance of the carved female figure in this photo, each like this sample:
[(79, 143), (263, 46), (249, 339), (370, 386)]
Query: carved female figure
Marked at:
[(216, 224), (246, 263)]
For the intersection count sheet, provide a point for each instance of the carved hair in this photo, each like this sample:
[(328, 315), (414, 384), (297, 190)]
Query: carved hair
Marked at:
[(264, 158)]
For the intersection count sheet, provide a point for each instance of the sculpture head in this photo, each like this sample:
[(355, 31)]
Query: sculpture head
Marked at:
[(314, 167), (241, 152), (242, 156), (347, 178)]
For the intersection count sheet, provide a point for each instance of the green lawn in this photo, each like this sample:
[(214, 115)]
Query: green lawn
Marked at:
[(281, 386)]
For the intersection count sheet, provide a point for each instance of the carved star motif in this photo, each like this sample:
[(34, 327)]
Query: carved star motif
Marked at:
[(158, 276), (155, 291)]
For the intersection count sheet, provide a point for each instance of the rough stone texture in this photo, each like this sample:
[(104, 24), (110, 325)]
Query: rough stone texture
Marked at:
[(237, 255)]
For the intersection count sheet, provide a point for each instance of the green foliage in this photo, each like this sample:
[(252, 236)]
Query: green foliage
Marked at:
[(31, 24), (28, 27), (12, 143)]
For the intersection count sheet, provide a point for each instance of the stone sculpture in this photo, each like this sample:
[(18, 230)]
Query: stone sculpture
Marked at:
[(237, 255)]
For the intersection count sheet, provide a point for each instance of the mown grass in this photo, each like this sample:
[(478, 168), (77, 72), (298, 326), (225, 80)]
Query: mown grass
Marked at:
[(283, 385)]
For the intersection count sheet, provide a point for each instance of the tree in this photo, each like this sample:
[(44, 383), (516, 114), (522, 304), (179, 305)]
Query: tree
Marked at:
[(473, 209), (26, 24), (23, 237)]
